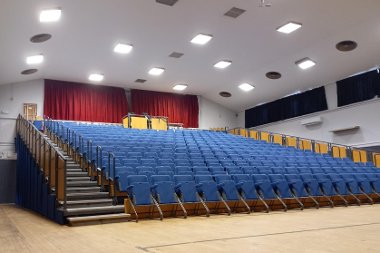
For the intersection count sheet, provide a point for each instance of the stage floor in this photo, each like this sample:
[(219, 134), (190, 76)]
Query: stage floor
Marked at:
[(341, 229)]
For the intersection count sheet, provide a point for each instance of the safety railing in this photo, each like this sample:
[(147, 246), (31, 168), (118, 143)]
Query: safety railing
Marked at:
[(321, 147), (49, 159)]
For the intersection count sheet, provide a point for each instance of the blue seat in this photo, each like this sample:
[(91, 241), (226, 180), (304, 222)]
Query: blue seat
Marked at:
[(280, 185), (297, 185), (311, 184), (264, 186), (138, 189), (227, 186), (163, 189), (325, 184), (207, 188)]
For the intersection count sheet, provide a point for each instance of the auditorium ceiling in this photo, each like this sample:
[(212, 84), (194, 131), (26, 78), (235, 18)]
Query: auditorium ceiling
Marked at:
[(83, 41)]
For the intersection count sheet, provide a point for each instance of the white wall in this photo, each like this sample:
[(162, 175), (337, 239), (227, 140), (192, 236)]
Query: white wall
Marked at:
[(213, 115), (366, 115), (12, 98)]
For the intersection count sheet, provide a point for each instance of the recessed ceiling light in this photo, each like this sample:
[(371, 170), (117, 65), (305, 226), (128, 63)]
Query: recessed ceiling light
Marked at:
[(225, 94), (305, 63), (176, 55), (246, 87), (180, 87), (52, 15), (123, 48), (289, 27), (222, 64), (201, 39), (29, 71), (35, 59), (156, 71), (346, 45), (273, 75), (140, 80), (39, 38), (96, 77)]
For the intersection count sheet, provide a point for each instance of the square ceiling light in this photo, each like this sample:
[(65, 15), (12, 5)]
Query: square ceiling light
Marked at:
[(156, 71), (201, 39), (222, 64), (289, 27), (180, 87), (34, 59), (96, 77), (123, 48), (246, 87), (51, 15), (305, 63)]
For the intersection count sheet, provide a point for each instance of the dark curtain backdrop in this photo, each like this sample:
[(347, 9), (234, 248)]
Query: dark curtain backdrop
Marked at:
[(84, 102), (178, 108), (288, 107), (358, 88)]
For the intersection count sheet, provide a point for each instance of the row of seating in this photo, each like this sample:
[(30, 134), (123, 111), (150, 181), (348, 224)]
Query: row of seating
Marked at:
[(243, 192)]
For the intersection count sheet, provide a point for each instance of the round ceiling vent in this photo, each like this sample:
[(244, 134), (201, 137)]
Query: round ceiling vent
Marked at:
[(39, 38), (273, 75), (29, 71), (225, 94), (346, 45)]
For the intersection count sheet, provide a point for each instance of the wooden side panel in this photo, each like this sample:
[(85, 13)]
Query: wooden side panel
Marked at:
[(305, 145), (277, 138), (265, 136), (160, 124), (139, 122), (291, 141), (321, 148), (125, 122), (253, 134), (61, 180), (356, 156), (243, 132)]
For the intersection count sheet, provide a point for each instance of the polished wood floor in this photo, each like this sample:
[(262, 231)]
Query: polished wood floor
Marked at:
[(351, 229)]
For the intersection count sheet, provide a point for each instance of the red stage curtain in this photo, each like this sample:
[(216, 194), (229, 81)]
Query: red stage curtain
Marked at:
[(84, 102), (178, 108)]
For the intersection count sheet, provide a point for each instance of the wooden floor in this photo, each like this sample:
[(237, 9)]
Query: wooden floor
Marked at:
[(352, 229)]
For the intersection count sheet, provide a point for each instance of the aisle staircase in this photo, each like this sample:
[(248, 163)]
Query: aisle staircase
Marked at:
[(86, 203)]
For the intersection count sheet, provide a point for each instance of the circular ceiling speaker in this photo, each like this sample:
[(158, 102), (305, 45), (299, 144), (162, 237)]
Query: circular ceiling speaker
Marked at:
[(273, 75), (29, 71), (225, 94), (39, 38), (346, 45)]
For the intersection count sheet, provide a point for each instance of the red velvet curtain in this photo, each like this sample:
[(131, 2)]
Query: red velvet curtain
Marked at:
[(178, 108), (84, 102)]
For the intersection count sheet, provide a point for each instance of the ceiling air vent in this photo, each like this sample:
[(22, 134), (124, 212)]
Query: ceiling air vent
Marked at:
[(140, 80), (273, 75), (39, 38), (176, 55), (167, 2), (29, 71), (346, 45), (234, 12), (225, 94)]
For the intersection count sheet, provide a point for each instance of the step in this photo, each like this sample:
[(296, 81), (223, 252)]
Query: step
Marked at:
[(94, 210), (86, 195), (88, 203), (77, 174), (75, 170), (98, 219), (69, 179), (72, 166), (81, 183), (83, 189)]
